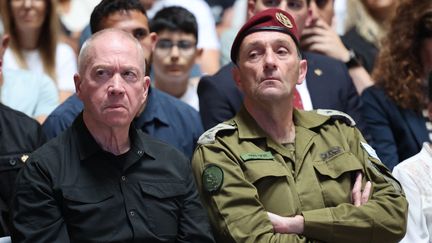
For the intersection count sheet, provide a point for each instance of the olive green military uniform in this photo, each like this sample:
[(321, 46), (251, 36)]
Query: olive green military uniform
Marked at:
[(241, 174)]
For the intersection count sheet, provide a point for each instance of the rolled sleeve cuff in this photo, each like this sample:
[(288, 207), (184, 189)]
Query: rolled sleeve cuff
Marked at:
[(318, 224)]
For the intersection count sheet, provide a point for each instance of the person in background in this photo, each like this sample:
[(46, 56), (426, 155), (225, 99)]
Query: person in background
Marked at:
[(21, 90), (175, 53), (274, 173), (145, 191), (367, 23), (207, 37), (164, 117), (396, 107), (319, 36), (415, 176), (34, 31), (327, 84)]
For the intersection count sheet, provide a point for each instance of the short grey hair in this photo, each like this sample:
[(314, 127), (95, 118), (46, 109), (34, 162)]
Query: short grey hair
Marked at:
[(83, 56)]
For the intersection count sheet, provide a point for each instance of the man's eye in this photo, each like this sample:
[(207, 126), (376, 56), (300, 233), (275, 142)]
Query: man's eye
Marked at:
[(130, 76), (140, 34), (164, 44), (271, 3), (282, 52), (321, 3), (295, 5), (185, 45), (103, 74)]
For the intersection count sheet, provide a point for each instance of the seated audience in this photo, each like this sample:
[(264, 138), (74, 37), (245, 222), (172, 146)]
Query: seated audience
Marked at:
[(145, 191), (34, 31), (175, 53), (415, 175), (34, 95), (395, 108), (164, 116), (274, 173)]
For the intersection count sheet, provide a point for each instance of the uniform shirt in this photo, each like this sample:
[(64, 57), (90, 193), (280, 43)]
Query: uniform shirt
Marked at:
[(19, 136), (165, 118), (415, 175), (72, 190), (260, 175)]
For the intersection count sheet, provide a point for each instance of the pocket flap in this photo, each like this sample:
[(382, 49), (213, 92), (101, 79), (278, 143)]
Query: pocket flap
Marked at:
[(87, 195), (335, 167), (258, 169), (163, 189)]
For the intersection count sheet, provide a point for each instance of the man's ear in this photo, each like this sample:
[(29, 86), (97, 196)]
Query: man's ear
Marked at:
[(250, 8), (153, 40), (302, 71), (77, 81), (146, 84), (236, 75)]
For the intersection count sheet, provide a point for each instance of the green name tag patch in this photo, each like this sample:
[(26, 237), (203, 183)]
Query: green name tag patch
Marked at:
[(257, 156), (212, 178)]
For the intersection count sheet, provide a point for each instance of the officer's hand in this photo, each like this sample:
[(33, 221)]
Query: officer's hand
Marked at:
[(287, 225), (359, 196)]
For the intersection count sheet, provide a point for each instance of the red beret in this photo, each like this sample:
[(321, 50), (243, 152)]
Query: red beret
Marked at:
[(272, 19)]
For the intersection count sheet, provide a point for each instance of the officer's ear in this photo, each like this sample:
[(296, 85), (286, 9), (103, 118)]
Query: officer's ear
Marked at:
[(236, 75)]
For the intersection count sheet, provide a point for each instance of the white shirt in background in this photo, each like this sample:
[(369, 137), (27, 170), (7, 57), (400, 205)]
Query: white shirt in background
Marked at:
[(415, 175)]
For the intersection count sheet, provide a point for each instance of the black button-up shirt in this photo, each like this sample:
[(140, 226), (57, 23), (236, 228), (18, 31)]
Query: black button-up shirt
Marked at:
[(19, 136), (72, 190)]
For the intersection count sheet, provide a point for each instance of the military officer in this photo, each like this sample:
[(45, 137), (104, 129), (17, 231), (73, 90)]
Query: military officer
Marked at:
[(277, 174)]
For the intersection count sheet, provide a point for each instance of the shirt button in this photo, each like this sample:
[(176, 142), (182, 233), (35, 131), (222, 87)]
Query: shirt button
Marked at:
[(140, 152), (123, 178), (132, 213), (12, 162)]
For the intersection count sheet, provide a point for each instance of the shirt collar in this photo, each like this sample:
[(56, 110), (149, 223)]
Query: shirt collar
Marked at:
[(87, 145), (249, 129)]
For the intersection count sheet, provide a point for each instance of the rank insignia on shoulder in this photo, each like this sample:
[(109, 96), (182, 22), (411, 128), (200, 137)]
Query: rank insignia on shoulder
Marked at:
[(337, 115), (210, 135), (24, 158), (370, 150), (212, 178)]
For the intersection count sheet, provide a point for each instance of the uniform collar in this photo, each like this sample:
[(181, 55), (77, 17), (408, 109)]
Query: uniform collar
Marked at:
[(249, 129), (87, 145), (153, 111)]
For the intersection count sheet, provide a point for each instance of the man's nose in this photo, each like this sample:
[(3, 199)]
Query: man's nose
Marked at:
[(116, 86), (269, 60)]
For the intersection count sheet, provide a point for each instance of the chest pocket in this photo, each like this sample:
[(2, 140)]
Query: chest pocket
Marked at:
[(336, 177), (9, 168), (163, 202), (85, 208), (274, 184)]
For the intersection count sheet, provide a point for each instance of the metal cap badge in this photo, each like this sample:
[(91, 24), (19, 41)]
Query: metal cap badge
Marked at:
[(272, 19)]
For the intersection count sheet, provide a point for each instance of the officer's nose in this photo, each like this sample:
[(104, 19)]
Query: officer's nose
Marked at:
[(269, 60), (116, 86)]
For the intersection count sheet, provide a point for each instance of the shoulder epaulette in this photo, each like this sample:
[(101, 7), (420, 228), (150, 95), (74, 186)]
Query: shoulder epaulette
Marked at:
[(337, 115), (210, 135)]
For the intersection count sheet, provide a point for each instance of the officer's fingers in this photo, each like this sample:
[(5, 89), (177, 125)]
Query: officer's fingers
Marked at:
[(356, 191), (366, 193)]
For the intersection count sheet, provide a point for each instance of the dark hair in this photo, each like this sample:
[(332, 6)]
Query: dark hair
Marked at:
[(398, 69), (174, 19), (107, 7)]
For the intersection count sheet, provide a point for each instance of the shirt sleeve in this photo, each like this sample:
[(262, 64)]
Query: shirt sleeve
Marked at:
[(417, 228), (48, 98), (193, 222), (36, 215), (235, 211), (381, 219)]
